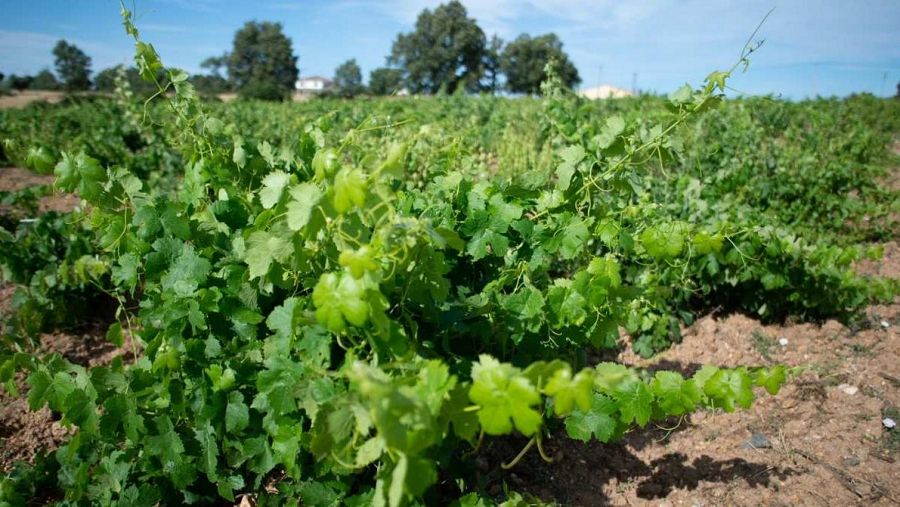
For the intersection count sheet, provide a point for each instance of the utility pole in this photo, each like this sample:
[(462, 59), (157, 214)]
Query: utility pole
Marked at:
[(634, 83)]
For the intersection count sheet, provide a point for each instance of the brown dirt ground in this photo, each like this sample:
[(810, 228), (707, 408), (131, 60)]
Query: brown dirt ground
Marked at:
[(23, 98), (14, 178), (20, 99)]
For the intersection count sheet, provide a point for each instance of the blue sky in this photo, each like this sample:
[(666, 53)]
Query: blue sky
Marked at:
[(813, 47)]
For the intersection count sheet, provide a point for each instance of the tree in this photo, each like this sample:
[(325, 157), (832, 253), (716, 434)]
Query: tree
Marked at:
[(524, 59), (215, 64), (445, 51), (19, 82), (348, 79), (210, 84), (492, 64), (44, 80), (73, 66), (105, 80), (262, 63), (385, 81), (214, 82)]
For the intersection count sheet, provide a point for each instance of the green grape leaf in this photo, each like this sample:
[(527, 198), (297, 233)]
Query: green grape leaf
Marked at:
[(725, 388), (165, 444), (665, 241), (121, 410), (770, 378), (237, 415), (325, 163), (147, 60), (597, 421), (264, 248), (266, 152), (239, 155), (48, 389), (505, 398), (613, 128), (634, 400), (114, 335), (358, 261), (398, 481), (455, 412), (272, 188), (125, 272), (674, 394), (717, 79), (304, 198), (574, 237), (369, 452), (705, 243), (502, 213), (66, 174), (349, 189), (339, 298), (682, 95), (187, 273), (282, 319), (209, 451), (80, 409), (226, 486), (39, 159), (527, 303), (568, 391), (486, 242), (741, 386), (393, 163), (570, 156)]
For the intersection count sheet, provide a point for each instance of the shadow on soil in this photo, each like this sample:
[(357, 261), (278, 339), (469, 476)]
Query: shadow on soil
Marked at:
[(582, 472), (591, 473)]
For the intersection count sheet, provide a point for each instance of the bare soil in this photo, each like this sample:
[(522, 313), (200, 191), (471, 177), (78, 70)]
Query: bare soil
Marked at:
[(13, 179), (21, 99)]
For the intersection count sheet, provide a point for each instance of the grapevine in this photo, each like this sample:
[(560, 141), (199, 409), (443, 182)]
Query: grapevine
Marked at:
[(329, 319)]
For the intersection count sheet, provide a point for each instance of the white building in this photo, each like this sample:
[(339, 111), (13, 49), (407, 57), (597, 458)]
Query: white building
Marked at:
[(313, 84), (604, 92)]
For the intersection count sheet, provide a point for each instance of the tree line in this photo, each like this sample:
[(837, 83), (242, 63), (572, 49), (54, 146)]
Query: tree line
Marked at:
[(446, 52), (73, 68)]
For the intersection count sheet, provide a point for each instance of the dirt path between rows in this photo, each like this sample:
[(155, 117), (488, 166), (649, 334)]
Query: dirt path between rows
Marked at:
[(13, 179), (22, 98)]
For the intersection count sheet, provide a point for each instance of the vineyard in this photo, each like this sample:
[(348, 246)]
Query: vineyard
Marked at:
[(449, 300)]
